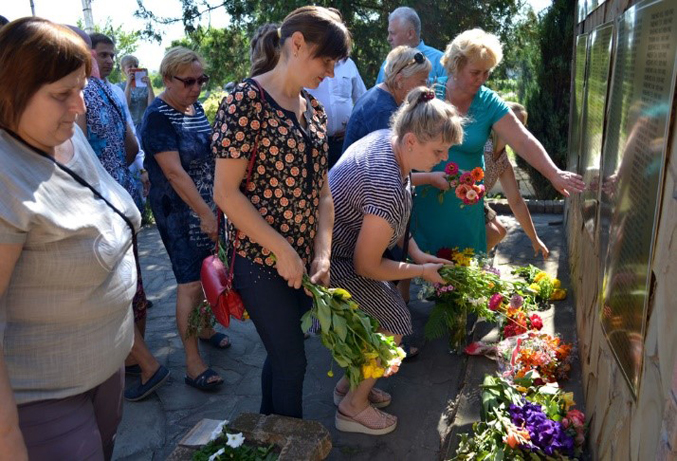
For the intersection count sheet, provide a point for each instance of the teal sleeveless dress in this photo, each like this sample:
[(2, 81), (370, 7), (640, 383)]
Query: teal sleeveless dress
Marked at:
[(438, 225)]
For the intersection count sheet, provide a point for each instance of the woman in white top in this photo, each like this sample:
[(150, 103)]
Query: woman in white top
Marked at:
[(67, 273)]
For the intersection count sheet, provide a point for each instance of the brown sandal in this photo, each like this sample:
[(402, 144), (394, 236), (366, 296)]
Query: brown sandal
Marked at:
[(370, 421)]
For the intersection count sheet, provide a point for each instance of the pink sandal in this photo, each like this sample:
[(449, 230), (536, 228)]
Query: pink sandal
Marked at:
[(370, 421), (377, 397)]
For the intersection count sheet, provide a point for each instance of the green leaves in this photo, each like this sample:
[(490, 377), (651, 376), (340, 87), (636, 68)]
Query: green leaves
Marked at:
[(347, 332)]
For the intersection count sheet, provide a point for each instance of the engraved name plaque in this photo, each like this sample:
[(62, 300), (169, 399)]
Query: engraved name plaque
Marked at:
[(592, 129), (640, 104), (577, 102)]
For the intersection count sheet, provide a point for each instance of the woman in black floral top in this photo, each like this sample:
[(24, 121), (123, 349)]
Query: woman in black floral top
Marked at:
[(287, 209)]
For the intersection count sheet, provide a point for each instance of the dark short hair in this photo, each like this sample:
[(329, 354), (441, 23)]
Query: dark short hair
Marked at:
[(3, 20), (41, 52), (100, 38)]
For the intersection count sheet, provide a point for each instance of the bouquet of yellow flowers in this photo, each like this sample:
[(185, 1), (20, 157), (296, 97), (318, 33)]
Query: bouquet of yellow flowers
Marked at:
[(350, 334), (544, 286)]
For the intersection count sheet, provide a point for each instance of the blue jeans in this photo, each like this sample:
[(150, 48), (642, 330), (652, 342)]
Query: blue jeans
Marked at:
[(276, 311)]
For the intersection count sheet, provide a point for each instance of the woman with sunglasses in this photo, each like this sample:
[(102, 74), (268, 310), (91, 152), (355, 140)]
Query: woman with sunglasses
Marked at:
[(405, 68), (175, 135)]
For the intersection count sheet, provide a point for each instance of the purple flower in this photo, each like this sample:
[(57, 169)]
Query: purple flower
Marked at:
[(493, 270), (516, 301), (546, 434)]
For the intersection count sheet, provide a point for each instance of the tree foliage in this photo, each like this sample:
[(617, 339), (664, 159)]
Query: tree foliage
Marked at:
[(548, 101), (222, 50), (366, 19), (125, 43)]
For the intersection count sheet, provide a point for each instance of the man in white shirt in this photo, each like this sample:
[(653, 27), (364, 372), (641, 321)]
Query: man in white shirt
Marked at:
[(338, 96)]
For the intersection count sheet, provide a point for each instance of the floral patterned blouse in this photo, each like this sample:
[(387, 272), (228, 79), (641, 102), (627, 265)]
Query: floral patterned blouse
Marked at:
[(289, 169)]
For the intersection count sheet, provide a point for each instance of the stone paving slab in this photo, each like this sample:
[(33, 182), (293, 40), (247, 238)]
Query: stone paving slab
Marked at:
[(425, 391)]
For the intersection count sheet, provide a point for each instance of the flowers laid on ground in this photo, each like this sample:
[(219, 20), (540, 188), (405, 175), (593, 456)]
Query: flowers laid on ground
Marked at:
[(350, 335), (543, 285), (466, 290), (524, 420), (226, 445), (544, 357), (473, 287), (465, 184)]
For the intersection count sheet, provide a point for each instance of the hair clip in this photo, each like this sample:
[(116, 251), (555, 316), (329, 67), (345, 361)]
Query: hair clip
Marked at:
[(427, 96), (279, 32)]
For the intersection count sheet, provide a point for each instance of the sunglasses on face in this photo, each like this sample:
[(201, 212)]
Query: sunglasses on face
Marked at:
[(188, 82), (417, 59)]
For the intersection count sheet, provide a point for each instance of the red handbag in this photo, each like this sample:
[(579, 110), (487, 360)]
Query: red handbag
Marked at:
[(217, 282)]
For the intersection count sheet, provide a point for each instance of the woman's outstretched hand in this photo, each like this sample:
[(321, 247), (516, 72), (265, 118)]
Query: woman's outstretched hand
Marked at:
[(567, 182)]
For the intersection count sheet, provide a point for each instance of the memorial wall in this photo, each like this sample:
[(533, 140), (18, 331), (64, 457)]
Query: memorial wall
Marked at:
[(622, 230)]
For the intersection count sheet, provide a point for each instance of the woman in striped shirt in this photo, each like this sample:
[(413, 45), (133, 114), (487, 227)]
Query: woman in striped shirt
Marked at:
[(371, 187)]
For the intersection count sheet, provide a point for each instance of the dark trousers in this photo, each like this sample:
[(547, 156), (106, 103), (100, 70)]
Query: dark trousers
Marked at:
[(276, 311), (335, 149), (81, 427)]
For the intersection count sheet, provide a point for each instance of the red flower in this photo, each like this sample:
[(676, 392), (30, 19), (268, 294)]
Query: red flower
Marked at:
[(495, 301), (513, 329), (451, 168), (444, 253), (466, 178), (536, 322)]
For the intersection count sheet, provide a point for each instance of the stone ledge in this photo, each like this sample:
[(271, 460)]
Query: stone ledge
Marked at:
[(298, 439), (500, 206)]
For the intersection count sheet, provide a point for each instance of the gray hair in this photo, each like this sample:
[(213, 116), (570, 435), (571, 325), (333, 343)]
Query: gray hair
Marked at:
[(129, 59), (406, 14), (401, 60)]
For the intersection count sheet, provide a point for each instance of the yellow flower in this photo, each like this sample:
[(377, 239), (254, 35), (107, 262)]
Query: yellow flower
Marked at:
[(534, 287), (522, 389), (540, 276), (556, 283), (245, 315), (378, 372), (568, 400), (368, 371), (558, 294), (330, 373), (342, 293)]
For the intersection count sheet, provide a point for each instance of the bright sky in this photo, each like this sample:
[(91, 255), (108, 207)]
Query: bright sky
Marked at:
[(121, 12)]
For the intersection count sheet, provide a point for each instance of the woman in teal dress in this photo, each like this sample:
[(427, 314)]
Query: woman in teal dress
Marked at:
[(469, 60)]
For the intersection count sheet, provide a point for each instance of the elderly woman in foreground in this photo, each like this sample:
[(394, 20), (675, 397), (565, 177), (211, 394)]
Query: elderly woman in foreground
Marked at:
[(469, 60), (67, 274), (371, 185)]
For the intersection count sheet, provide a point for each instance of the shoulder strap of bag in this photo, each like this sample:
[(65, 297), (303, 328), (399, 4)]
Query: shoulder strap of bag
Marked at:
[(249, 175), (78, 179), (407, 236)]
